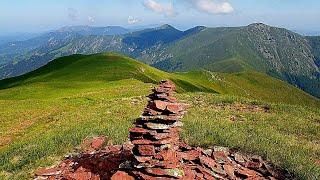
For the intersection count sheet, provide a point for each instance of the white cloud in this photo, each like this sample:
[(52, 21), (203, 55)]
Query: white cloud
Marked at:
[(133, 20), (163, 8), (212, 6), (91, 19)]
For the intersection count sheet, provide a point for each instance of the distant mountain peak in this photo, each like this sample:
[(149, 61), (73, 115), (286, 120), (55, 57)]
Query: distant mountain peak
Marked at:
[(258, 25), (166, 26)]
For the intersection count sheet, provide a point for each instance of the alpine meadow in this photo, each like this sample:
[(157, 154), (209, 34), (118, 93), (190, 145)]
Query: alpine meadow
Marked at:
[(196, 89)]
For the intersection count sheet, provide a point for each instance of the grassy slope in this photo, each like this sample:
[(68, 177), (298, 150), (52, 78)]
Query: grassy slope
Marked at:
[(46, 113)]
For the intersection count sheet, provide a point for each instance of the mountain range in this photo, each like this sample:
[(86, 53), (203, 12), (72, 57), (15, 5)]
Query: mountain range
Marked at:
[(274, 51)]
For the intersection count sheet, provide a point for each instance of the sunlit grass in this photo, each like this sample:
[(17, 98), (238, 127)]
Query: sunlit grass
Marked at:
[(289, 136), (44, 115)]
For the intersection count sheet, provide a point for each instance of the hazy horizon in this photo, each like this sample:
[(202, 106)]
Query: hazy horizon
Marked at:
[(34, 16)]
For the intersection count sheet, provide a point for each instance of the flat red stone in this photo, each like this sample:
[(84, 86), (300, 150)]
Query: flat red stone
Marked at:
[(190, 155), (142, 141), (160, 104), (139, 130), (151, 112), (229, 169), (146, 150), (48, 171), (98, 142), (113, 149), (253, 165), (169, 155), (214, 166), (156, 171), (143, 159), (174, 108), (121, 175), (247, 172), (220, 156)]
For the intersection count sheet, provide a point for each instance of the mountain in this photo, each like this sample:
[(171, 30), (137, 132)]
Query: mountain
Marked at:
[(48, 112), (20, 50), (13, 37), (89, 30), (275, 51), (113, 67)]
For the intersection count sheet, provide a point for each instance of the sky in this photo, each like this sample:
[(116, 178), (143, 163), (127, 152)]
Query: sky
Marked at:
[(43, 15)]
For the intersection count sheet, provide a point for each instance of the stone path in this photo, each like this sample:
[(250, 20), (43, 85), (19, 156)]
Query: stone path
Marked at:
[(155, 151)]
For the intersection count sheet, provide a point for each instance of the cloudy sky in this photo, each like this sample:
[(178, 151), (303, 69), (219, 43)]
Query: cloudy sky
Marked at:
[(42, 15)]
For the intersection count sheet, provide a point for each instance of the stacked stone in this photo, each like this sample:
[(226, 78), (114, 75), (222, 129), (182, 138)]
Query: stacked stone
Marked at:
[(156, 134), (156, 152)]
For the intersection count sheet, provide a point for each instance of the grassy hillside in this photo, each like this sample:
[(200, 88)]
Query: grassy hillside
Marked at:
[(46, 113), (276, 51)]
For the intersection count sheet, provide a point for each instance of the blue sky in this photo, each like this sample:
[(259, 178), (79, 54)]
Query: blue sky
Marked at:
[(42, 15)]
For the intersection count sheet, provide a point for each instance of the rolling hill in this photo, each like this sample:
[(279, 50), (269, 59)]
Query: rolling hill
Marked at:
[(46, 113), (275, 51), (112, 67)]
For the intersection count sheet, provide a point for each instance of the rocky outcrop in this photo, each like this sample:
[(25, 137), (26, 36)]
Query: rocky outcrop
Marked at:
[(155, 151)]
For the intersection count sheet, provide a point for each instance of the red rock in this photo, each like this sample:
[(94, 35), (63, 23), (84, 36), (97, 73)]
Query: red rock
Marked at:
[(48, 171), (167, 140), (146, 150), (127, 146), (206, 173), (167, 164), (199, 176), (160, 104), (142, 142), (253, 165), (190, 155), (174, 107), (160, 136), (177, 173), (83, 174), (318, 162), (166, 97), (247, 172), (189, 174), (156, 126), (239, 158), (169, 155), (161, 117), (143, 159), (139, 130), (220, 157), (151, 112), (115, 149), (184, 146), (120, 175), (214, 166), (141, 175), (98, 142), (156, 171), (229, 169)]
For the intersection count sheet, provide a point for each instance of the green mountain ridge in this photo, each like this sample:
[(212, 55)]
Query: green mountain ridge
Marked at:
[(275, 51), (102, 68)]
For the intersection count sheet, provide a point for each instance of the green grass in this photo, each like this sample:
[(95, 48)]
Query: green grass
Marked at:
[(288, 136), (46, 113)]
